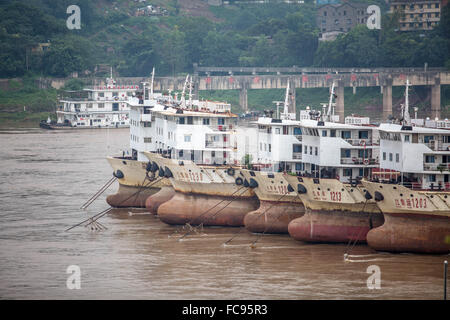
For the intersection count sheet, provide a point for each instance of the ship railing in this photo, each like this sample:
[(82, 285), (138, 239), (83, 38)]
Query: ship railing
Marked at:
[(221, 128), (436, 167), (217, 144), (359, 142), (297, 156), (359, 161), (438, 146)]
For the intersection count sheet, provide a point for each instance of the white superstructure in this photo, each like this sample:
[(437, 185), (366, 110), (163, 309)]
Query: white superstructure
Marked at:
[(106, 106)]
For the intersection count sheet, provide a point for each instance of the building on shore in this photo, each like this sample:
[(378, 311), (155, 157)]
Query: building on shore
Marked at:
[(335, 19), (417, 14)]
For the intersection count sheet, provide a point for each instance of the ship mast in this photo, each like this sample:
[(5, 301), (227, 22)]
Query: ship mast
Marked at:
[(406, 117), (183, 93), (285, 114), (190, 92), (151, 85), (330, 103)]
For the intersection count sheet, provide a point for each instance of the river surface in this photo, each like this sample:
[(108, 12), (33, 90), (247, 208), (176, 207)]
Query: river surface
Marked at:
[(45, 176)]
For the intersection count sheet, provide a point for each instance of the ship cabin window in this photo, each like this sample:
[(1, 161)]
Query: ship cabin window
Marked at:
[(115, 94), (101, 94), (446, 139), (220, 121), (431, 178), (270, 147), (429, 159), (181, 120), (310, 150), (147, 110), (298, 166), (347, 172), (407, 138), (384, 156), (147, 124), (446, 178), (297, 131), (363, 134), (285, 130), (205, 121), (148, 140), (115, 107), (101, 105), (345, 153), (346, 134), (306, 149), (427, 139), (332, 133), (190, 120), (297, 148), (363, 153), (324, 133), (316, 151), (277, 130), (397, 157), (445, 159), (187, 138), (180, 154), (391, 157)]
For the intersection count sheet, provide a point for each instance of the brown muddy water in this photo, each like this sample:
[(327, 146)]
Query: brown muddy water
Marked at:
[(45, 176)]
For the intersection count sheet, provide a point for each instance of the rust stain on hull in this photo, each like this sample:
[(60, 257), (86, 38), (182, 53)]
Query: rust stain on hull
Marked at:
[(335, 227), (210, 210), (154, 201), (411, 233), (273, 217), (128, 196)]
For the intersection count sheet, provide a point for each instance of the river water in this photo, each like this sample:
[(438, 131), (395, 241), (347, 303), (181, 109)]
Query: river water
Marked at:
[(45, 176)]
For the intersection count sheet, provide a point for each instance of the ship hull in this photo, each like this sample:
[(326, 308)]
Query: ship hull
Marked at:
[(334, 226), (128, 196), (273, 217), (154, 201), (415, 221), (209, 210), (406, 233)]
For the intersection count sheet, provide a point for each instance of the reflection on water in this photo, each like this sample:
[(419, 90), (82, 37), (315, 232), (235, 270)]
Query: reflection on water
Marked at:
[(47, 175)]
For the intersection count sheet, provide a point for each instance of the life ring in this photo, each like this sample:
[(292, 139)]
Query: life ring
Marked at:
[(150, 175), (366, 161), (230, 171)]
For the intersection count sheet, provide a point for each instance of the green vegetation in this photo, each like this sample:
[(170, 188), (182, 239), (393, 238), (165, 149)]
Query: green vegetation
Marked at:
[(36, 42)]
